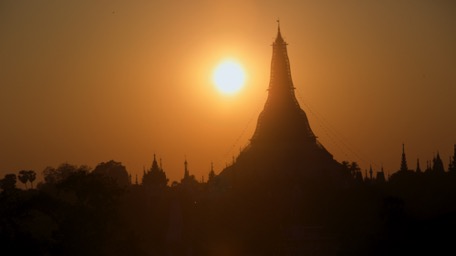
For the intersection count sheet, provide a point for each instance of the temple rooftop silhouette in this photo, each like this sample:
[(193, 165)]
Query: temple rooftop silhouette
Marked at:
[(283, 142)]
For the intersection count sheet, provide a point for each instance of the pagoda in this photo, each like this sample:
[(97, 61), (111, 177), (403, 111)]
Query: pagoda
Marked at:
[(283, 143)]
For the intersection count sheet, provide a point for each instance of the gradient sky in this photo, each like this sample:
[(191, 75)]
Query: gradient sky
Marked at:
[(89, 81)]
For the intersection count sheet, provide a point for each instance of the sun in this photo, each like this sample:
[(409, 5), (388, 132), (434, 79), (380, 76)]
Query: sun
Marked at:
[(229, 77)]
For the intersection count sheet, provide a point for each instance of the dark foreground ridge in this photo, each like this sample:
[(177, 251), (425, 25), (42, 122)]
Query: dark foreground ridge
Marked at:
[(284, 195)]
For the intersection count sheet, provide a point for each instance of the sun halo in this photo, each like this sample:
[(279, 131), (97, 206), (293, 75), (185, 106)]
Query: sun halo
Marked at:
[(228, 77)]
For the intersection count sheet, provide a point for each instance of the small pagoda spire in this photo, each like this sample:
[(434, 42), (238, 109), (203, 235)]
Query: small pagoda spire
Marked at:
[(418, 169), (154, 166), (438, 164), (404, 160), (186, 172), (211, 175)]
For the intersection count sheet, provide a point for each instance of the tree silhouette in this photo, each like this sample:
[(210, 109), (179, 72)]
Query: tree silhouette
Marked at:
[(23, 177), (54, 176), (8, 183), (114, 170), (31, 177), (354, 168)]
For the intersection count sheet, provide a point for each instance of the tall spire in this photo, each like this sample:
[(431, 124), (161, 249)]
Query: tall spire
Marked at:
[(283, 141), (282, 116), (404, 160), (280, 66)]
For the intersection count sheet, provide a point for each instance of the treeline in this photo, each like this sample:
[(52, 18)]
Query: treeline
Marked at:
[(78, 210)]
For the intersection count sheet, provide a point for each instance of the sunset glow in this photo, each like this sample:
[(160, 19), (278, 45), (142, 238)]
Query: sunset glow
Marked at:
[(85, 82)]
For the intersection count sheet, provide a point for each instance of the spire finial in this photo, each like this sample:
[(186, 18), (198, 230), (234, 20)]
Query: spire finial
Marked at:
[(278, 24)]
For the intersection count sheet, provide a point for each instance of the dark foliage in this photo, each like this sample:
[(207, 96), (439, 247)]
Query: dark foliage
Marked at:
[(79, 212), (115, 171)]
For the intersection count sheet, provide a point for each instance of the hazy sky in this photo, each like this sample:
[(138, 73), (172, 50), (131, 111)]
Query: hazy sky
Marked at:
[(89, 81)]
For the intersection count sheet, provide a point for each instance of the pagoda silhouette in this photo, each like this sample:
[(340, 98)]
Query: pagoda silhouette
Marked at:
[(283, 145)]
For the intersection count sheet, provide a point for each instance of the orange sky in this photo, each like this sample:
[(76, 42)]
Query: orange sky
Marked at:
[(89, 81)]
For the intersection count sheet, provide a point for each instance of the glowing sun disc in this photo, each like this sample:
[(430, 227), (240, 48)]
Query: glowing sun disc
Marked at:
[(229, 77)]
